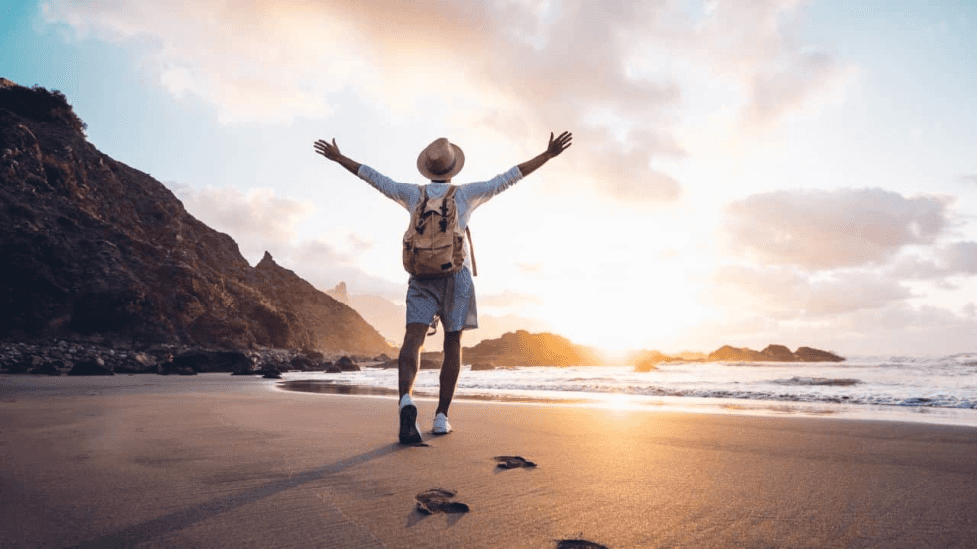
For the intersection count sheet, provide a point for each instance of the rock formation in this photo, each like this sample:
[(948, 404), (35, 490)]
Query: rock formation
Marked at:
[(772, 353), (94, 248), (522, 348)]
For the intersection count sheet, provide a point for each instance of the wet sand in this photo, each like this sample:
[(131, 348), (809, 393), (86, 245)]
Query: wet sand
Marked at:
[(216, 461)]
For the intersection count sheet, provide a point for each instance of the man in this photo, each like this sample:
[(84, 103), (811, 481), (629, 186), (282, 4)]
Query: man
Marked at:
[(450, 299)]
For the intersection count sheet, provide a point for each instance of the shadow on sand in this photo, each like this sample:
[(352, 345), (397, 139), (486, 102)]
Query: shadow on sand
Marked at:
[(154, 528)]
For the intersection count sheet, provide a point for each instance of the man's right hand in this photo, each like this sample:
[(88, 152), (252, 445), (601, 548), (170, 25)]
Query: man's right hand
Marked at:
[(558, 145)]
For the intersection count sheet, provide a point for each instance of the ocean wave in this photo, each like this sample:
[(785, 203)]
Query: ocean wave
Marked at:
[(836, 382)]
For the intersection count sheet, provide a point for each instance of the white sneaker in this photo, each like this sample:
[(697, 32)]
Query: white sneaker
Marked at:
[(441, 425), (410, 431)]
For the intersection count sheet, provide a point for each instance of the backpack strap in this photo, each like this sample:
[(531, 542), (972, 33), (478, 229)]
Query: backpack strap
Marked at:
[(419, 213), (472, 248), (450, 195)]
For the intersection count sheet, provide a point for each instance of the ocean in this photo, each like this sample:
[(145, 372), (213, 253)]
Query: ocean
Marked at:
[(929, 390)]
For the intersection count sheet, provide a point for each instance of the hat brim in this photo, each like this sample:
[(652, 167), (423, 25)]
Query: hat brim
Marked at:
[(459, 164)]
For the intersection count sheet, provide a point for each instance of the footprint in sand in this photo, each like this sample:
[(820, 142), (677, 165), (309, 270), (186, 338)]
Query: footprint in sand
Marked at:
[(513, 462), (437, 500), (577, 544)]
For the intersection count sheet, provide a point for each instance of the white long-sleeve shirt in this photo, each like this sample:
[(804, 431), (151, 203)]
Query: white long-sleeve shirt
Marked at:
[(468, 196)]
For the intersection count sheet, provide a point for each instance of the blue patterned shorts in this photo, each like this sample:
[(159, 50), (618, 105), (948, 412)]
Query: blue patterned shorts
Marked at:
[(450, 299)]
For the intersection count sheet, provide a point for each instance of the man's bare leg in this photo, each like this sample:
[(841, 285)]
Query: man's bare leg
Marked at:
[(449, 370), (409, 360)]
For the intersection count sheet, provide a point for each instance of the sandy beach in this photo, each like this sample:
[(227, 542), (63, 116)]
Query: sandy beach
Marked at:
[(216, 461)]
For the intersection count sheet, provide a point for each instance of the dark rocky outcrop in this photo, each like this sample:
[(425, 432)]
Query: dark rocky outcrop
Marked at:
[(201, 361), (522, 348), (47, 369), (772, 353), (95, 367), (729, 353), (312, 354), (138, 363), (303, 364), (482, 366), (346, 364), (778, 353), (807, 354), (170, 368), (92, 248), (645, 361)]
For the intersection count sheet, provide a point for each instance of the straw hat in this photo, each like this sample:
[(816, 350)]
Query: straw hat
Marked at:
[(441, 160)]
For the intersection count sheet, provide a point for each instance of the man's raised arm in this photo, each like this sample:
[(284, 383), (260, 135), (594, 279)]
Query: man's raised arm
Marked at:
[(331, 151), (555, 147)]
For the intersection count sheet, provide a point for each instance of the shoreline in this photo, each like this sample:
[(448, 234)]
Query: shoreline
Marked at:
[(709, 406)]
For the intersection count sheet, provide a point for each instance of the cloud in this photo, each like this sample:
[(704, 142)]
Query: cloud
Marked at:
[(970, 179), (831, 229), (786, 293), (257, 217), (953, 259), (773, 93), (527, 65), (960, 257)]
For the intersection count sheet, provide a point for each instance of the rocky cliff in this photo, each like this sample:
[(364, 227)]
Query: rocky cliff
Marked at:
[(522, 348), (90, 246)]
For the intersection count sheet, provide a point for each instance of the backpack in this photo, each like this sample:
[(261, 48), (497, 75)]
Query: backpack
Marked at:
[(434, 244)]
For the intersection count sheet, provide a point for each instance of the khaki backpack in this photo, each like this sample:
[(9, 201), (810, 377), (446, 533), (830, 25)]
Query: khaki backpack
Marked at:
[(434, 244)]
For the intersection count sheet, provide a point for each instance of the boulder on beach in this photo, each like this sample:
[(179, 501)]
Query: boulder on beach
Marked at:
[(478, 366), (302, 363), (20, 365), (46, 369), (312, 354), (169, 368), (430, 364), (139, 363), (94, 367), (346, 364), (201, 360)]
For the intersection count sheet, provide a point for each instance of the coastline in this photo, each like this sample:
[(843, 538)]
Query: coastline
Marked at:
[(216, 461)]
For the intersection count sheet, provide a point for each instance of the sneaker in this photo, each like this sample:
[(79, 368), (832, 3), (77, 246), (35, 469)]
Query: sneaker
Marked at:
[(410, 431), (441, 425)]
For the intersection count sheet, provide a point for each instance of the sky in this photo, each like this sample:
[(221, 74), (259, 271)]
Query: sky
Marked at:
[(742, 172)]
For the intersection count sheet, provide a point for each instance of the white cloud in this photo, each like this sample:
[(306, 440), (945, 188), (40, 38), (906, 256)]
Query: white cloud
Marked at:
[(264, 62), (831, 229), (960, 257), (787, 293), (257, 217)]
